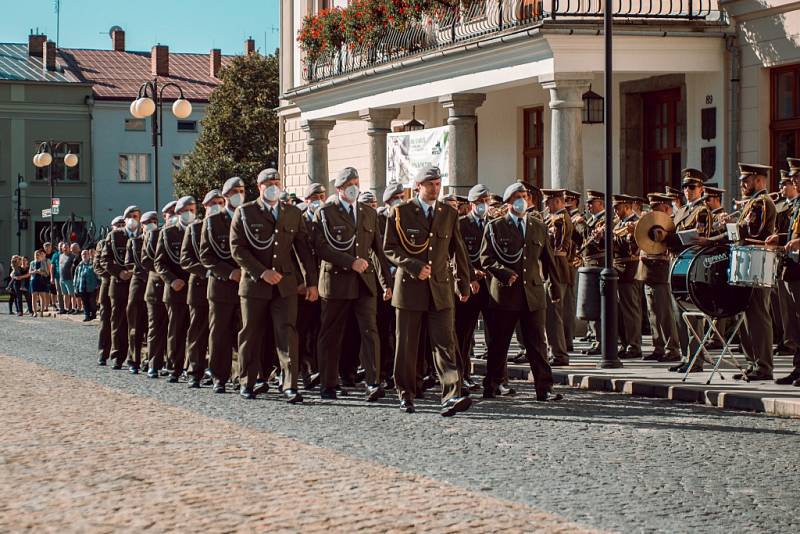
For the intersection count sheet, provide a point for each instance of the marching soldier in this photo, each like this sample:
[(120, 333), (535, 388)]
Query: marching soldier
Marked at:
[(626, 262), (264, 236), (559, 233), (136, 311), (713, 199), (422, 238), (516, 252), (677, 198), (168, 265), (154, 294), (572, 200), (788, 336), (653, 271), (472, 226), (197, 296), (346, 237), (113, 262), (393, 195), (104, 339), (224, 312), (593, 249)]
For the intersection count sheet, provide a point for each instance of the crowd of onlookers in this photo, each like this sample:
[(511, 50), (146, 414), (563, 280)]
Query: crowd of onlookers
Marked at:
[(61, 280)]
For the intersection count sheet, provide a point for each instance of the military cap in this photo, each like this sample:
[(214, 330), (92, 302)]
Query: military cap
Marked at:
[(638, 199), (496, 200), (345, 175), (427, 174), (461, 199), (659, 198), (786, 178), (476, 192), (594, 195), (794, 166), (553, 193), (230, 183), (169, 206), (268, 174), (182, 202), (568, 193), (129, 210), (516, 187), (330, 198), (714, 192), (693, 176), (671, 191), (621, 199), (284, 196), (367, 197), (119, 219), (211, 195), (392, 189), (752, 169), (149, 216), (449, 198), (314, 189), (529, 187)]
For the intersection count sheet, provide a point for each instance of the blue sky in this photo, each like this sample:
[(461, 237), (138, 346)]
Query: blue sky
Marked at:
[(183, 25)]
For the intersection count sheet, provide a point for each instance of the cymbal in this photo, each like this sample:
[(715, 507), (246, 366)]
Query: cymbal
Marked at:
[(653, 219)]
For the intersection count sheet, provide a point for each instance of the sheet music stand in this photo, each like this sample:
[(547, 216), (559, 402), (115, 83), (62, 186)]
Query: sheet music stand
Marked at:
[(709, 326)]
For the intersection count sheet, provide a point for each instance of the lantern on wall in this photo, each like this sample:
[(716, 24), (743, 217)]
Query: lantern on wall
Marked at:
[(592, 107), (413, 125)]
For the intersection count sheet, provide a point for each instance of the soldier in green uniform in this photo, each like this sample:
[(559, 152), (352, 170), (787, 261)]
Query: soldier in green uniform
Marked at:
[(517, 255), (113, 262), (593, 250), (572, 200), (422, 239), (154, 294), (626, 262), (346, 237), (559, 233), (393, 195), (785, 327), (224, 311), (265, 234), (136, 310), (713, 199), (168, 265), (104, 339)]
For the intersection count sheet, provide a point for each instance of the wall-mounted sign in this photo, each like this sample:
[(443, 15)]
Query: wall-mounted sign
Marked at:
[(408, 152)]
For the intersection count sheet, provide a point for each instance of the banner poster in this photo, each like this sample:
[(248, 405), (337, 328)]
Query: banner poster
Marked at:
[(407, 152)]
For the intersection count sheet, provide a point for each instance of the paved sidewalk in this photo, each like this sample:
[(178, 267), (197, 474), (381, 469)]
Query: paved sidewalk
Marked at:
[(79, 457)]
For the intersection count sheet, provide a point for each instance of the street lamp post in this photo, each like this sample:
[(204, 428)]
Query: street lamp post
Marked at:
[(44, 158), (21, 184), (150, 103)]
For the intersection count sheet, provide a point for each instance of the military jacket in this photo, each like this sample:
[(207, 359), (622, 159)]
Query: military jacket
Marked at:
[(98, 257), (783, 212), (168, 261), (757, 220), (593, 243), (791, 267), (626, 252), (190, 262), (133, 259), (559, 231), (154, 292), (215, 255), (113, 259), (472, 230), (718, 222)]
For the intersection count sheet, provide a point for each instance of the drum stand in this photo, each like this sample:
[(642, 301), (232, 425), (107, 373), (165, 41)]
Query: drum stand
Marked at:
[(709, 324)]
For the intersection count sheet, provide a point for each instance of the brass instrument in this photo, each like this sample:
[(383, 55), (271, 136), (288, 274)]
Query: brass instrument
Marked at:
[(647, 235)]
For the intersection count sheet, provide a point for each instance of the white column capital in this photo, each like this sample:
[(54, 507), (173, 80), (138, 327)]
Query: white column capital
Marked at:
[(379, 119), (565, 91), (462, 104), (317, 129)]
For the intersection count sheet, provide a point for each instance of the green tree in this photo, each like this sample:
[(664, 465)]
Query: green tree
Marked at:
[(240, 129)]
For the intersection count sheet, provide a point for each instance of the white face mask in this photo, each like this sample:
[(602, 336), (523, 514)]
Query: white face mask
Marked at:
[(131, 224), (351, 193), (236, 200), (213, 210), (272, 193), (149, 227), (314, 206), (187, 217), (519, 206), (480, 209), (395, 202)]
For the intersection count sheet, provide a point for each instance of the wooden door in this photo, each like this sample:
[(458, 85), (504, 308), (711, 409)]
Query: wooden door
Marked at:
[(662, 140)]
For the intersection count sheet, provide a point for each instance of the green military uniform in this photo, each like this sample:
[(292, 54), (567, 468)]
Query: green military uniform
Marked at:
[(156, 311), (791, 280), (104, 338), (784, 327), (570, 294), (592, 253), (260, 242), (136, 311), (626, 262), (197, 301), (342, 233), (113, 262), (559, 233), (168, 266)]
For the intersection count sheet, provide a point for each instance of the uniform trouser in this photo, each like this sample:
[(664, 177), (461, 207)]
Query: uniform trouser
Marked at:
[(554, 324), (197, 339), (775, 314), (683, 332), (630, 320), (466, 321), (331, 335), (224, 323), (104, 339), (443, 344), (156, 335), (793, 305), (791, 325), (136, 312), (278, 314), (177, 327), (570, 308), (386, 326), (532, 324), (308, 334), (663, 327), (119, 324), (350, 347), (756, 334)]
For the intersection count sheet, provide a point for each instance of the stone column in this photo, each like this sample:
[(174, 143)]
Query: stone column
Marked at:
[(379, 123), (463, 167), (317, 142), (566, 144)]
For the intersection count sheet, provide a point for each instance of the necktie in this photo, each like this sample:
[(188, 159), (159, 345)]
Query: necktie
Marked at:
[(480, 224), (519, 227), (352, 214), (275, 214), (429, 215)]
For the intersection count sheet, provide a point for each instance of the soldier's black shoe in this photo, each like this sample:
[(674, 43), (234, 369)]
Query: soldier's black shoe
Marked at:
[(505, 391), (134, 369), (669, 358), (292, 396), (548, 396), (680, 368), (791, 378), (521, 358), (219, 387), (388, 383), (407, 406), (247, 393), (594, 350), (260, 388), (374, 393), (208, 379), (796, 383), (194, 383), (152, 373), (653, 357), (173, 379), (428, 382), (471, 384), (328, 394), (455, 405), (783, 350), (758, 376), (101, 361), (116, 366), (489, 394), (559, 362)]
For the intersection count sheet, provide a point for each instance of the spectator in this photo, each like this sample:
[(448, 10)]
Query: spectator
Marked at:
[(48, 254), (8, 284), (86, 284), (66, 267), (22, 276), (75, 251), (40, 282), (55, 277)]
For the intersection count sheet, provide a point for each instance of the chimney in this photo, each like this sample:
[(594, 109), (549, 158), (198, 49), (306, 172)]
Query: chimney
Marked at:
[(118, 40), (159, 60), (49, 53), (35, 43), (250, 46), (214, 62)]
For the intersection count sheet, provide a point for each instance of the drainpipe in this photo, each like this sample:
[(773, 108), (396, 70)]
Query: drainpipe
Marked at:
[(90, 104), (733, 139)]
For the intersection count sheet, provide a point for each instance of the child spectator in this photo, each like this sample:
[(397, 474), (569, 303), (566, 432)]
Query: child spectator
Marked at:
[(86, 284)]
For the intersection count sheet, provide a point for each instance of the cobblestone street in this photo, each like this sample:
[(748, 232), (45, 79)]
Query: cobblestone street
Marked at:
[(86, 448)]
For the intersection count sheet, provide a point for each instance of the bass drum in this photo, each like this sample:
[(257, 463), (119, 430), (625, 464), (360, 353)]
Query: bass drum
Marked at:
[(699, 281)]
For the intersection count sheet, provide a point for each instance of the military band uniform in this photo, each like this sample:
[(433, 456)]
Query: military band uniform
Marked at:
[(570, 295), (416, 236), (785, 327), (136, 310), (559, 232), (593, 255), (791, 280), (224, 310), (156, 310), (626, 262), (113, 262), (167, 262), (197, 301), (260, 242), (104, 338)]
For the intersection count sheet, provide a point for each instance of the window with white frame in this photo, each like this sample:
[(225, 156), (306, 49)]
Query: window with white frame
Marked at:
[(178, 160), (134, 168)]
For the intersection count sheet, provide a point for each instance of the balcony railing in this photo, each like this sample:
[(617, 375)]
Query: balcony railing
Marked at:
[(482, 19)]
